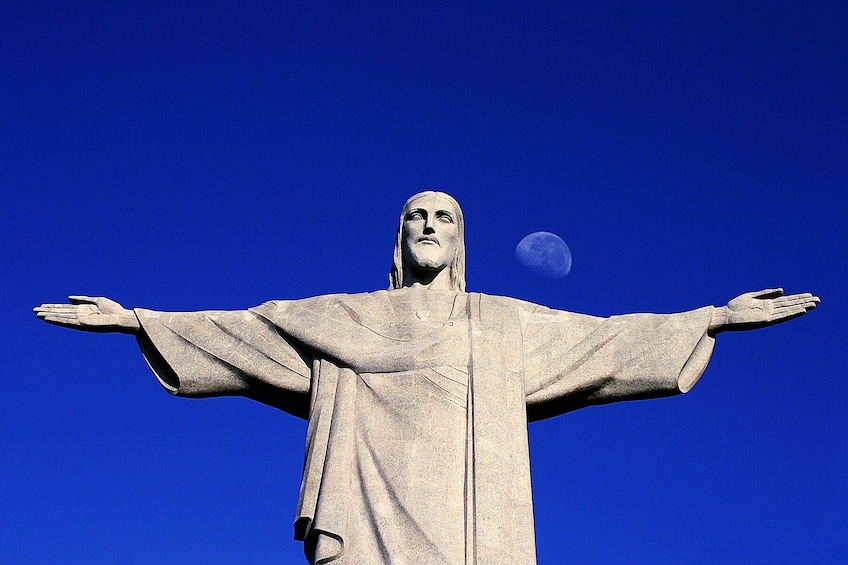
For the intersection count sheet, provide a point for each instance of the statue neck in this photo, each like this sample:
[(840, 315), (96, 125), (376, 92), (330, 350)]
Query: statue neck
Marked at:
[(424, 278)]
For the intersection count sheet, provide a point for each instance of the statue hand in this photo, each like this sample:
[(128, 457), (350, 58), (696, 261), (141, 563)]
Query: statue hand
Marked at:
[(754, 310), (96, 314)]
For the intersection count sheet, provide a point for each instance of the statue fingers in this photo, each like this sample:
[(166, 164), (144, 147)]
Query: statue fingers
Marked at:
[(68, 314), (794, 299), (45, 309), (810, 302), (787, 313), (58, 313), (801, 295), (59, 319)]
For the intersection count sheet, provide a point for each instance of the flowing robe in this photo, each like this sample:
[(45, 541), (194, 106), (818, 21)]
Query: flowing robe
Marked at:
[(418, 403)]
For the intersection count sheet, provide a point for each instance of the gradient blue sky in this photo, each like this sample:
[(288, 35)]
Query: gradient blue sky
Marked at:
[(189, 156)]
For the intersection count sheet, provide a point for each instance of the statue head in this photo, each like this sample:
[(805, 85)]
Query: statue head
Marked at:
[(430, 238)]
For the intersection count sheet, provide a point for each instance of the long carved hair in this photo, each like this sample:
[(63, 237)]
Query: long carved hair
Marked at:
[(457, 266)]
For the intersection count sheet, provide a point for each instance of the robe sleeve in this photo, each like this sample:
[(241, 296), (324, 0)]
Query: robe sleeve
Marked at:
[(573, 360), (201, 354)]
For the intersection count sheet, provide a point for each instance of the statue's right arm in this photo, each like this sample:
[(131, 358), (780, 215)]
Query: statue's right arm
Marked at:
[(91, 314)]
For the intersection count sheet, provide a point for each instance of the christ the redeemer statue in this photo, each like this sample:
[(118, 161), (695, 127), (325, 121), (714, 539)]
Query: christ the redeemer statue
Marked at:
[(418, 397)]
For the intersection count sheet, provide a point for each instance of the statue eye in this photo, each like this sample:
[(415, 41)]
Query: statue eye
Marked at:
[(445, 217), (415, 215)]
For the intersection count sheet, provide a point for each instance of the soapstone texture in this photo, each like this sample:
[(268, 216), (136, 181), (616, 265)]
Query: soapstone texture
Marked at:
[(402, 417), (418, 397)]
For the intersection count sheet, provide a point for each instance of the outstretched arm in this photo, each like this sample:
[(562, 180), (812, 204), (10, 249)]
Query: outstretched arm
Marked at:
[(91, 314), (754, 310)]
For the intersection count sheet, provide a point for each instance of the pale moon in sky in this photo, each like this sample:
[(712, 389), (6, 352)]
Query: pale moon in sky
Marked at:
[(545, 254)]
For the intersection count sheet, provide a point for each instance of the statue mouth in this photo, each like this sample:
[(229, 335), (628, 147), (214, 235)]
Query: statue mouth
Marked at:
[(428, 239)]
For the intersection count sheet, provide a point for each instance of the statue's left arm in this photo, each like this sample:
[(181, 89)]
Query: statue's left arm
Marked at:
[(754, 310), (572, 360)]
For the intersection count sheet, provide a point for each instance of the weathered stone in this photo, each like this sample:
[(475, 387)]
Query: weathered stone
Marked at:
[(418, 397)]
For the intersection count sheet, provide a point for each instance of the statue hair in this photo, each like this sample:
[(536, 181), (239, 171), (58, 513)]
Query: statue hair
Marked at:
[(457, 266)]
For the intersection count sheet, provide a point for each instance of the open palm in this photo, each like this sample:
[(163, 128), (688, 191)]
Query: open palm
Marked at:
[(766, 307), (93, 314)]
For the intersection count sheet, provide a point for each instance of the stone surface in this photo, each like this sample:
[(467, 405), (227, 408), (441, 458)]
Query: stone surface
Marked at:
[(418, 397)]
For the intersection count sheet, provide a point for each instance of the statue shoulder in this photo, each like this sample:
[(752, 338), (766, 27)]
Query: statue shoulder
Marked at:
[(338, 306), (507, 302)]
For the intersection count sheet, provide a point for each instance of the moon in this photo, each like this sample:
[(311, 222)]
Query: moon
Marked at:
[(544, 253)]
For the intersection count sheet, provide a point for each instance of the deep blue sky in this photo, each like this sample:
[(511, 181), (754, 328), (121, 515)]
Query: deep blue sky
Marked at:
[(218, 155)]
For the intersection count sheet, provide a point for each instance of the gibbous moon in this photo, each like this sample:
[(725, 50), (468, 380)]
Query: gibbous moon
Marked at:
[(545, 254)]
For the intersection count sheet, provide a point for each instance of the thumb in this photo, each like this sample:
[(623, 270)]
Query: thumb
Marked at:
[(767, 293)]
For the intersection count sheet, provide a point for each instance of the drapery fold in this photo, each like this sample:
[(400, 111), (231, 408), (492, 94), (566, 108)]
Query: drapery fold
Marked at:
[(523, 362)]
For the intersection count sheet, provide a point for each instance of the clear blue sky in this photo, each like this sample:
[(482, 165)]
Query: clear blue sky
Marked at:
[(189, 156)]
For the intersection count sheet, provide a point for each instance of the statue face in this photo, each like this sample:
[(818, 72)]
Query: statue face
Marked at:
[(430, 233)]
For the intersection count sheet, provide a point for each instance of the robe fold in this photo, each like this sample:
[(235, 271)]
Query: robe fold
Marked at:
[(418, 403)]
